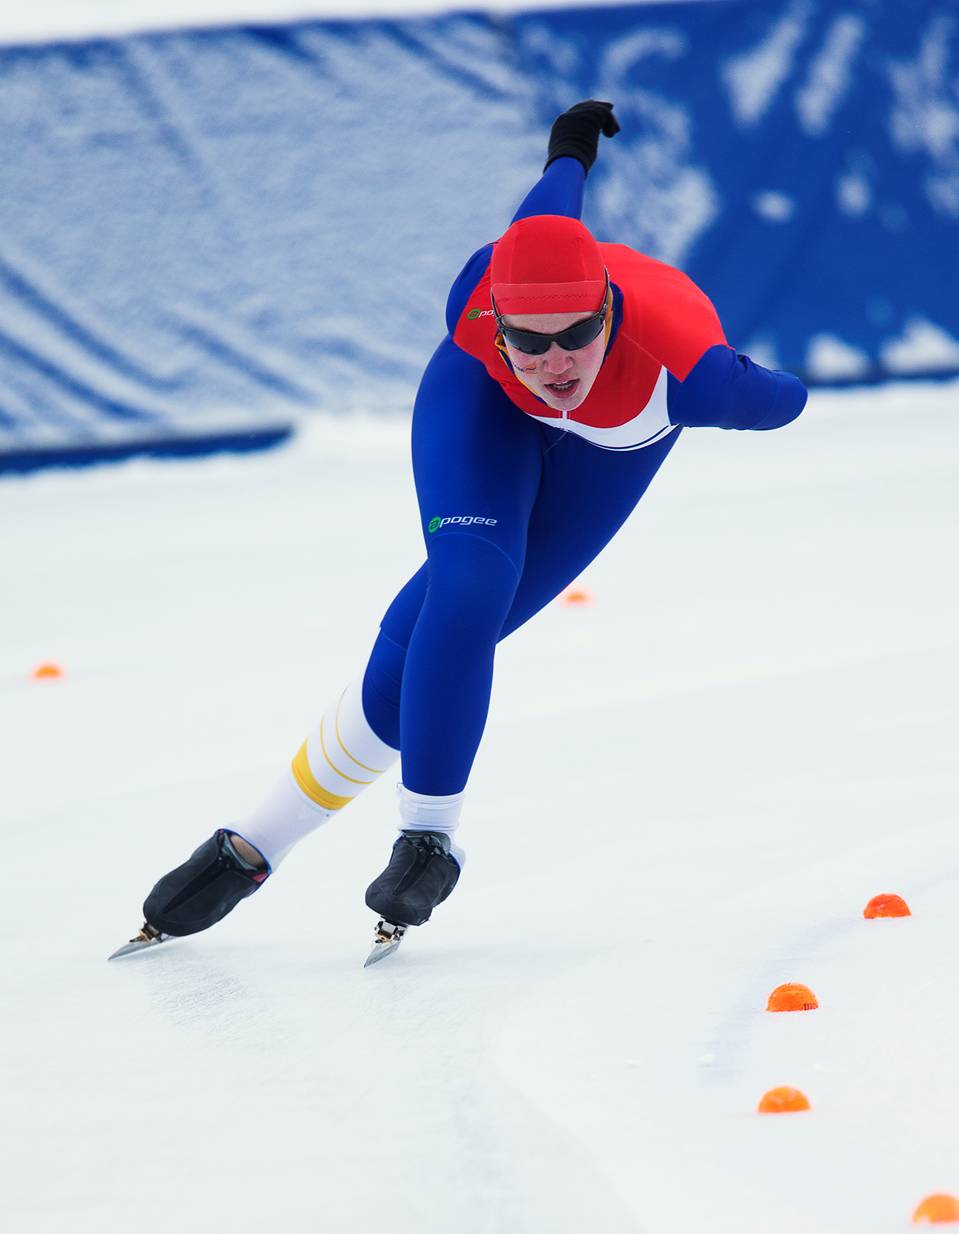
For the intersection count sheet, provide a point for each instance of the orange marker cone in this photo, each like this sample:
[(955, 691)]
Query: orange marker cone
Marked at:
[(936, 1210), (577, 595), (47, 672), (783, 1100), (792, 997), (887, 906)]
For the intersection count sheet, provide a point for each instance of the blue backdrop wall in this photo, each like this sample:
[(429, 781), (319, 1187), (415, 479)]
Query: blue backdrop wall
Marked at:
[(203, 232)]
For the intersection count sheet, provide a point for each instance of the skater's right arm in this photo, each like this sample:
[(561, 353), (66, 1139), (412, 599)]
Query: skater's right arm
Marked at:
[(559, 190), (573, 147)]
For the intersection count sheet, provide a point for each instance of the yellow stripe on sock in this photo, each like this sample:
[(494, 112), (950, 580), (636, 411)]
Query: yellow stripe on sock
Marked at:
[(377, 771), (333, 765), (310, 785)]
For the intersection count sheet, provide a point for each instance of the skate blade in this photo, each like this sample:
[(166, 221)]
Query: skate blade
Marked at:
[(142, 942), (386, 940)]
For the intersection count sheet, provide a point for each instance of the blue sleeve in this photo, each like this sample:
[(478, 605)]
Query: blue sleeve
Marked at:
[(559, 190), (726, 390)]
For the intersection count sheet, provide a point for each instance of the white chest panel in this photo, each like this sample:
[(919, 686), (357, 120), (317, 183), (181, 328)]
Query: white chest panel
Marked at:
[(650, 424)]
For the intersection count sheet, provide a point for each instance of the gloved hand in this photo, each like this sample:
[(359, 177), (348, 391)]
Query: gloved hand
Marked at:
[(576, 132)]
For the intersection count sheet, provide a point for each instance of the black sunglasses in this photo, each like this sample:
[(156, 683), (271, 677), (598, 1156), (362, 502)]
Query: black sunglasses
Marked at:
[(532, 343)]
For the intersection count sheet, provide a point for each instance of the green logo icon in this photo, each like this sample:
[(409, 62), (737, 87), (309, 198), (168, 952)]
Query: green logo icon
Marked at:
[(461, 520), (473, 314)]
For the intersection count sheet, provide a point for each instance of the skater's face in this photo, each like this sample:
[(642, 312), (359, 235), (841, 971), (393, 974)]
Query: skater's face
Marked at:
[(561, 378)]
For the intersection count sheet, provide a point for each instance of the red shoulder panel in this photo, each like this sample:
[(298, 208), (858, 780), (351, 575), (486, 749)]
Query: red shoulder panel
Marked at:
[(667, 322), (664, 311)]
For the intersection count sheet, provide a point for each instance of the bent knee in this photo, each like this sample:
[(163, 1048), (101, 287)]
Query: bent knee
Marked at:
[(471, 580)]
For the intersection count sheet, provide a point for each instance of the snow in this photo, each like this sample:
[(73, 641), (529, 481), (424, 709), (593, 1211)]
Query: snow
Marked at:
[(762, 350), (687, 793), (925, 115), (830, 74), (680, 199), (829, 358), (925, 112), (853, 193), (774, 206), (922, 347), (70, 19), (755, 78)]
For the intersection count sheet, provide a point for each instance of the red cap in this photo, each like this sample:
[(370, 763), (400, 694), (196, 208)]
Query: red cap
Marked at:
[(547, 264)]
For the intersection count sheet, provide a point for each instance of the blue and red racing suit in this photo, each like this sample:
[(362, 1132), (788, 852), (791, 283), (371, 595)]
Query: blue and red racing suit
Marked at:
[(516, 498)]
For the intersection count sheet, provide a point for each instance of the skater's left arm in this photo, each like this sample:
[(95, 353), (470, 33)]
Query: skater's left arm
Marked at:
[(727, 390), (710, 385)]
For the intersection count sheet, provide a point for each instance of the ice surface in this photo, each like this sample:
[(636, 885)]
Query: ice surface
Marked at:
[(686, 795)]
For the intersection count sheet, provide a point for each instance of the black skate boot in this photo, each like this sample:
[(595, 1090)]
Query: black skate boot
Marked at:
[(203, 890), (421, 874)]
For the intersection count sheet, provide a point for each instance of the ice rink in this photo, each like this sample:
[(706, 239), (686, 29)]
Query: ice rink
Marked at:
[(687, 793)]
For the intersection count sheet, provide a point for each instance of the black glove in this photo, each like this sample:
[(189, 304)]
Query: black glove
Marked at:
[(575, 133)]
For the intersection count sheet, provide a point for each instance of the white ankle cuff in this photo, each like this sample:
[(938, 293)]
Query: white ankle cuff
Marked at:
[(423, 812)]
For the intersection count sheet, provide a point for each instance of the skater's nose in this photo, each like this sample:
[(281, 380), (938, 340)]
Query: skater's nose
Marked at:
[(556, 360)]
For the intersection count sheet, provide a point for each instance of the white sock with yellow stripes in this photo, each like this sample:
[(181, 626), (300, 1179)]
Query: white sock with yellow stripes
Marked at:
[(340, 758)]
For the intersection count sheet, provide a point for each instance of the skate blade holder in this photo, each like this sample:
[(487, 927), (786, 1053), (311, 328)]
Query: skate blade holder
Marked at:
[(147, 938), (386, 938)]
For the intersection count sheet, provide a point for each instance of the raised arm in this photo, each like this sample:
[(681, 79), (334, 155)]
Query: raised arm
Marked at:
[(573, 146), (559, 190)]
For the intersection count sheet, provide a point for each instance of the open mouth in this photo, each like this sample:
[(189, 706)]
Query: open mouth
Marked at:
[(563, 389)]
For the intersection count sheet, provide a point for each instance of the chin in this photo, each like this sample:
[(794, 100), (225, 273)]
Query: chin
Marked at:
[(565, 405)]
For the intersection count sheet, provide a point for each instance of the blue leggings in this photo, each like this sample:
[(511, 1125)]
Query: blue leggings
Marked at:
[(534, 506)]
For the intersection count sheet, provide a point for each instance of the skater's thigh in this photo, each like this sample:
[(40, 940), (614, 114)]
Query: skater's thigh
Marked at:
[(477, 462), (477, 459), (586, 495)]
